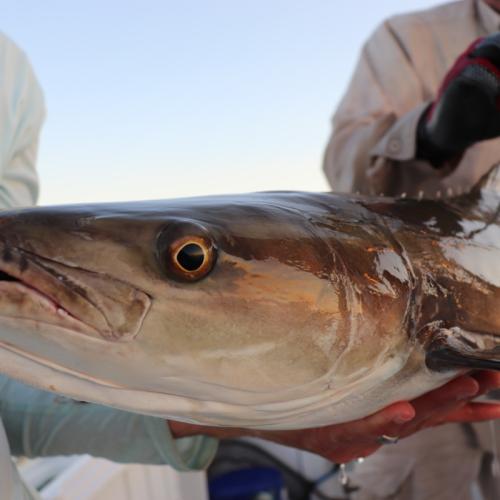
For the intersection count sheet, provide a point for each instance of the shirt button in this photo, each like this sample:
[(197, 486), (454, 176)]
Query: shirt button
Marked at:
[(394, 146)]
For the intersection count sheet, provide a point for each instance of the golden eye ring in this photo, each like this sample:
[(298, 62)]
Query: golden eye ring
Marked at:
[(191, 257), (186, 251)]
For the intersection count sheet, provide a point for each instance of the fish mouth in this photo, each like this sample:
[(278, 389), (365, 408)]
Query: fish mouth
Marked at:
[(45, 291)]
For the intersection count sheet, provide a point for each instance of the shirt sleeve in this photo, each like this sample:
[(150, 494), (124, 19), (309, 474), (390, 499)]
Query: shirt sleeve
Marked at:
[(40, 423), (22, 111), (372, 147)]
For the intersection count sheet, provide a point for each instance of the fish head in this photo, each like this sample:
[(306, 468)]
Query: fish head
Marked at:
[(246, 299)]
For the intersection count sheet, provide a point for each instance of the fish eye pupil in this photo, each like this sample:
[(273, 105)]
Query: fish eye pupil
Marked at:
[(191, 257)]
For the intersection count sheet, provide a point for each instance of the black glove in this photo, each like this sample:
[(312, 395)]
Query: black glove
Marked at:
[(467, 108)]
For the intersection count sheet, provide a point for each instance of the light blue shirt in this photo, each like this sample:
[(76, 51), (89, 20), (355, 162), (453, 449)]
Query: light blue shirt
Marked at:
[(40, 423)]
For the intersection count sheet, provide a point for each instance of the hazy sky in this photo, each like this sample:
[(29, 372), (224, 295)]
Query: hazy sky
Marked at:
[(156, 99)]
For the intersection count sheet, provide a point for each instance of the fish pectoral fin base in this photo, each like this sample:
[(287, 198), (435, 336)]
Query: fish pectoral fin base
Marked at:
[(444, 359), (454, 348)]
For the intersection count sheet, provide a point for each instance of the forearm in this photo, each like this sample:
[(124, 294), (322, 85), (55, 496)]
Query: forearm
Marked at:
[(378, 155), (342, 443), (42, 424)]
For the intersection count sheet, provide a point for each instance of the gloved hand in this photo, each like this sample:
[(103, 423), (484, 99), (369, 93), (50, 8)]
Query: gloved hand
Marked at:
[(467, 107)]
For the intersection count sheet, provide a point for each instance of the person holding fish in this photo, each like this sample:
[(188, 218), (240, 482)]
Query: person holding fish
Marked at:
[(421, 118), (39, 423)]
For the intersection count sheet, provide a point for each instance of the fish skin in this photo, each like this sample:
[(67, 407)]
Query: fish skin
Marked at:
[(319, 308)]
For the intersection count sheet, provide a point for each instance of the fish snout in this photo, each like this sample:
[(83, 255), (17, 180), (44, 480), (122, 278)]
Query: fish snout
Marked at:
[(46, 291)]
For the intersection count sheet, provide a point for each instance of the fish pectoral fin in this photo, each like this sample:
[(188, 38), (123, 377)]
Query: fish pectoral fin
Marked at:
[(452, 348)]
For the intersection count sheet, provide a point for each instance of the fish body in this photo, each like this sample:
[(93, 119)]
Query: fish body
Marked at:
[(270, 310)]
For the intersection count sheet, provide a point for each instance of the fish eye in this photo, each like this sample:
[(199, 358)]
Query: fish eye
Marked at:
[(186, 252), (191, 256)]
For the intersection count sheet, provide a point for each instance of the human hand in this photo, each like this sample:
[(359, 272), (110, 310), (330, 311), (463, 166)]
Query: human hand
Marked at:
[(466, 109), (342, 443)]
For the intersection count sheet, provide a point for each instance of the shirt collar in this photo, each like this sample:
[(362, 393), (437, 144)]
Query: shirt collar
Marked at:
[(489, 18)]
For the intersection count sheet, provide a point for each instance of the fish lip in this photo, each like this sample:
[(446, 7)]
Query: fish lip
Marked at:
[(48, 301), (63, 317), (35, 277)]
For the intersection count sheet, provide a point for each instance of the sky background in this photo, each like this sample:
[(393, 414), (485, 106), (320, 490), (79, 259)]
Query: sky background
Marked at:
[(159, 99)]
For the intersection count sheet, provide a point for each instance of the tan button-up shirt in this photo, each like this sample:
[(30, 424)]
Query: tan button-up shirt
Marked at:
[(401, 67), (372, 150)]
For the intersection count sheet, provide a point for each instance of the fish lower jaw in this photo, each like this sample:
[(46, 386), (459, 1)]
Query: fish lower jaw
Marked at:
[(21, 302)]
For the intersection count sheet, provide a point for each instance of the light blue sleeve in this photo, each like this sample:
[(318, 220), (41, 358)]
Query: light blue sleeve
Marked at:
[(40, 423)]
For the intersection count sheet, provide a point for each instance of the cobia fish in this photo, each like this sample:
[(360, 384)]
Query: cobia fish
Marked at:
[(271, 310)]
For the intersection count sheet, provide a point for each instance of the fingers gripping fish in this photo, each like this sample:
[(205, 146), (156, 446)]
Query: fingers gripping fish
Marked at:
[(269, 310)]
